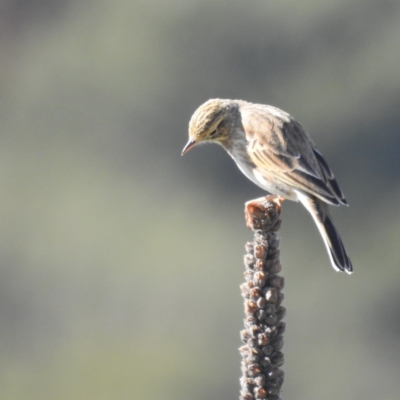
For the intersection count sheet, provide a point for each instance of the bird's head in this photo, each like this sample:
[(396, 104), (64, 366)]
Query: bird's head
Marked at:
[(211, 122)]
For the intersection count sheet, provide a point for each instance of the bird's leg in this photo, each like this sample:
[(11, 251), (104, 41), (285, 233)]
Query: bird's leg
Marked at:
[(260, 213)]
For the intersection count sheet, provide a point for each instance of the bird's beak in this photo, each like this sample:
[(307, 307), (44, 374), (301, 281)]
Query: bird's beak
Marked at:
[(189, 145)]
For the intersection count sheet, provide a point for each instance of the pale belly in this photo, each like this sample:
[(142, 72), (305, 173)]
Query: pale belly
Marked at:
[(272, 185)]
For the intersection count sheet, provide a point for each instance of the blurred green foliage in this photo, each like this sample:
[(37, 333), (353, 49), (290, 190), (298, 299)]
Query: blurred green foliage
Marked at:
[(121, 261)]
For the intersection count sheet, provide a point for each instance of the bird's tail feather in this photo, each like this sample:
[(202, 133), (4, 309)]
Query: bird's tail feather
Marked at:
[(334, 245)]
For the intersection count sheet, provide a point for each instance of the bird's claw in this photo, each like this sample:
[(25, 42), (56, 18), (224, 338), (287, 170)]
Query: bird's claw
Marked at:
[(263, 213)]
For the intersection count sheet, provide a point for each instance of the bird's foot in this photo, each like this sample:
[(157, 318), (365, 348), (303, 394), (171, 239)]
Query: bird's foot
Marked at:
[(263, 213)]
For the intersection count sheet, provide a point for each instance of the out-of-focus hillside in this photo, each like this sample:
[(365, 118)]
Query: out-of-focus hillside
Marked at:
[(121, 261)]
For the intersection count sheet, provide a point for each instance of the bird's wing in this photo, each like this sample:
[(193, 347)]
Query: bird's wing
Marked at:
[(279, 146)]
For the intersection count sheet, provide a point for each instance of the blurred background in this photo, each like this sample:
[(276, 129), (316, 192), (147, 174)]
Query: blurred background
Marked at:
[(120, 261)]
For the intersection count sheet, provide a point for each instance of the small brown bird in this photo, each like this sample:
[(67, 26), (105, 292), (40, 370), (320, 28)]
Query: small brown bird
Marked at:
[(276, 153)]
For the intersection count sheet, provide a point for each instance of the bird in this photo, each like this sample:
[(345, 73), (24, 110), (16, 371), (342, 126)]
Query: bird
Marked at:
[(275, 152)]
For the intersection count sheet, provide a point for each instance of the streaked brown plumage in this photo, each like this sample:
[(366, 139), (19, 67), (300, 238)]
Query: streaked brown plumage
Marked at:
[(276, 153)]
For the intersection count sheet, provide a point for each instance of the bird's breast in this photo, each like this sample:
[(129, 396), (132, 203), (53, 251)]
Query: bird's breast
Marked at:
[(262, 178)]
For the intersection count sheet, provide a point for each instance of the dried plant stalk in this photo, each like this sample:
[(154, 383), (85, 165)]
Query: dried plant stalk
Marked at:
[(262, 358)]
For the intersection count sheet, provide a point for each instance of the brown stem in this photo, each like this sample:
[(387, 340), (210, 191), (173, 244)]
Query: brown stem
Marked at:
[(262, 358)]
